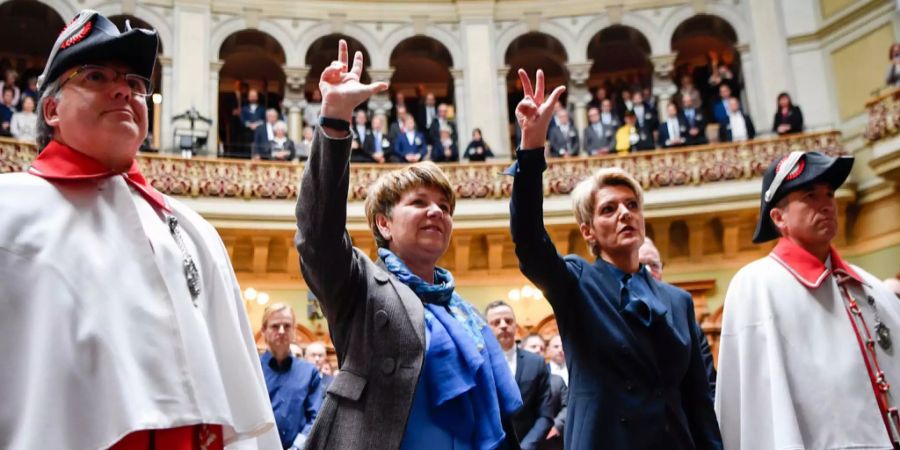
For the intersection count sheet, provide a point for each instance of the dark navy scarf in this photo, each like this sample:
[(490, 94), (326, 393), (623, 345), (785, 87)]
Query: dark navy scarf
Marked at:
[(467, 380)]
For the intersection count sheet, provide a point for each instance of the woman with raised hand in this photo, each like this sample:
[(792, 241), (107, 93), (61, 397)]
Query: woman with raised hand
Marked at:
[(637, 379), (419, 368)]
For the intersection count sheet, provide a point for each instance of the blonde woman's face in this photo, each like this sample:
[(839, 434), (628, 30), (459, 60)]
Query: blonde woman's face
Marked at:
[(617, 224)]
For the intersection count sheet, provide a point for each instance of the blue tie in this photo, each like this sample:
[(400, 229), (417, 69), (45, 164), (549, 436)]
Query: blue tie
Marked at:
[(637, 308)]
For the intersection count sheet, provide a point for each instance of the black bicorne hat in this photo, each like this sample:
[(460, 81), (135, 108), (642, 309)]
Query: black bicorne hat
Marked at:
[(792, 172), (92, 38)]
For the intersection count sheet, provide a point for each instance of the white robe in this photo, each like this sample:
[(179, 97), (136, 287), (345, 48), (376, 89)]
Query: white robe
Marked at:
[(791, 375), (98, 334)]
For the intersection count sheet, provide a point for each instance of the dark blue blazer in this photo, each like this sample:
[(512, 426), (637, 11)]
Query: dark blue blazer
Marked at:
[(533, 421), (630, 387), (402, 147)]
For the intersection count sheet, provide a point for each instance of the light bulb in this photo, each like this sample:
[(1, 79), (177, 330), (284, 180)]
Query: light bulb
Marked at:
[(262, 298), (250, 294), (514, 295)]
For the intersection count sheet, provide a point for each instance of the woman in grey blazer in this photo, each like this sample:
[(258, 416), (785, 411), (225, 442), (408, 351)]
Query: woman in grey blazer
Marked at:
[(419, 366)]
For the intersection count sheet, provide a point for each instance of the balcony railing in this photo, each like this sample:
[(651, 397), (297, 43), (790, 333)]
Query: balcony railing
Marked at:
[(207, 177), (884, 115)]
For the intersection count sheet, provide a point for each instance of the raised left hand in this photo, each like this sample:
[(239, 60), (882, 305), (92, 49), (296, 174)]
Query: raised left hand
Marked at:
[(341, 89)]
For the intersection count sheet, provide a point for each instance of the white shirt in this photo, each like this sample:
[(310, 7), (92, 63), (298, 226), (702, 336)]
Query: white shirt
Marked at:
[(606, 118), (791, 375), (311, 114), (270, 131), (97, 319), (511, 359), (411, 137), (674, 128), (561, 370), (23, 126), (639, 113), (361, 134), (738, 126)]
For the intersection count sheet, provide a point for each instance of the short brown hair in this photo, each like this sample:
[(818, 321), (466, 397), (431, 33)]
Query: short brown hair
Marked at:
[(584, 196), (390, 187)]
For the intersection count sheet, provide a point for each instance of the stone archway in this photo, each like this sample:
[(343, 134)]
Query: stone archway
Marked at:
[(704, 43), (426, 69), (27, 57), (621, 61)]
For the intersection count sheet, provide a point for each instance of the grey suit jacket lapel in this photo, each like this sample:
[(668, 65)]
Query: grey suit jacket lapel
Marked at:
[(411, 302)]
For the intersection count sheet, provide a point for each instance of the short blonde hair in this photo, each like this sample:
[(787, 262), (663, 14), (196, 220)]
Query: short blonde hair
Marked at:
[(390, 187), (274, 308), (584, 196)]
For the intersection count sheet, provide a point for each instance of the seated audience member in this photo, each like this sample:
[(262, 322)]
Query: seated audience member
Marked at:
[(280, 148), (23, 125), (737, 126), (631, 138), (312, 109), (411, 145), (533, 421), (444, 149), (7, 109), (673, 132), (788, 117), (563, 137), (695, 120), (892, 78), (598, 138), (292, 382), (9, 81), (720, 107), (304, 145), (478, 150), (266, 132)]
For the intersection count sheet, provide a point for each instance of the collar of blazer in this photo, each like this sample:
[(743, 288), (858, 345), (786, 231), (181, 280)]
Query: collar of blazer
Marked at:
[(411, 302)]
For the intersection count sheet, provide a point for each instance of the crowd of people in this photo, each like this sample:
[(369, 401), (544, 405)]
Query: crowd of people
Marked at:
[(17, 107), (160, 354)]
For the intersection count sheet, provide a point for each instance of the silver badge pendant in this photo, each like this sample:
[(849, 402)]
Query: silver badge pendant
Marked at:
[(883, 336), (191, 274)]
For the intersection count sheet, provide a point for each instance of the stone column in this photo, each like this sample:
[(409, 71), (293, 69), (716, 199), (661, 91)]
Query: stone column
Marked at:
[(212, 145), (295, 100), (772, 61), (463, 130), (504, 146), (165, 125), (579, 95), (663, 85), (190, 60), (477, 92), (380, 103), (751, 96)]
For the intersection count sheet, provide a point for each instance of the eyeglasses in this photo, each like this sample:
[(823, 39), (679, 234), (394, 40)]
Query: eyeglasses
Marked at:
[(100, 78)]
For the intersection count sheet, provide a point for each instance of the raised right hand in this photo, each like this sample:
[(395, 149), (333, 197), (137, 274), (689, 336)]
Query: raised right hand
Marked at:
[(534, 111)]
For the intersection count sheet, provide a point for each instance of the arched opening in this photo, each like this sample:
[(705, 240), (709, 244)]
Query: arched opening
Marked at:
[(151, 143), (533, 51), (23, 46), (707, 58), (714, 235), (253, 63), (621, 56), (425, 80), (679, 240)]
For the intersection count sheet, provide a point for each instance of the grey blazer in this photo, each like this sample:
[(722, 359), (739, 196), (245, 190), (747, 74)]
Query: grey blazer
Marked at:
[(592, 142), (377, 323)]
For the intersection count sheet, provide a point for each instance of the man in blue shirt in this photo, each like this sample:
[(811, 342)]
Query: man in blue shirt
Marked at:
[(294, 384)]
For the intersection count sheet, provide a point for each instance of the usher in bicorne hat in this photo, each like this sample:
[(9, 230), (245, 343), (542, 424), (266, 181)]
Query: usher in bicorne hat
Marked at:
[(92, 38), (792, 172)]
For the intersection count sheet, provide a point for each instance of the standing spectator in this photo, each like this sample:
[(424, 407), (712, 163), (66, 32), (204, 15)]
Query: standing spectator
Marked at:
[(360, 147), (629, 137), (264, 134), (304, 145), (673, 132), (608, 117), (737, 126), (31, 90), (410, 146), (647, 119), (427, 111), (687, 88), (564, 137), (444, 149), (317, 354), (253, 115), (7, 109), (558, 392), (281, 147), (534, 343), (599, 96), (650, 102), (636, 373), (720, 107), (598, 138), (312, 109), (557, 357), (788, 117), (478, 150), (380, 145), (439, 124), (625, 103), (23, 125), (695, 120), (293, 383), (9, 81), (398, 126), (534, 420), (892, 78)]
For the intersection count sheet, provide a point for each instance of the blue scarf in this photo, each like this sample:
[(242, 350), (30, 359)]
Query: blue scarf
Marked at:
[(467, 380)]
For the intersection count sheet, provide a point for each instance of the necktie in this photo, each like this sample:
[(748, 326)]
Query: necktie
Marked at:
[(635, 307)]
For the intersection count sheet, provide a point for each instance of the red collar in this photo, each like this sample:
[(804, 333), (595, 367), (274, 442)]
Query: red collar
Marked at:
[(807, 268), (59, 162)]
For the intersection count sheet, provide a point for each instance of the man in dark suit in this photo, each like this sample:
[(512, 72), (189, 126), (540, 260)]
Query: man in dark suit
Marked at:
[(695, 120), (426, 110), (558, 393), (720, 107), (410, 146), (673, 132), (360, 148), (564, 136), (441, 122), (534, 420), (266, 132), (598, 138), (647, 119), (737, 126), (253, 115)]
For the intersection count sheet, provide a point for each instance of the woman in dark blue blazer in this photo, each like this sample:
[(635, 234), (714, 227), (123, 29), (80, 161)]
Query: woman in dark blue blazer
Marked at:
[(637, 379)]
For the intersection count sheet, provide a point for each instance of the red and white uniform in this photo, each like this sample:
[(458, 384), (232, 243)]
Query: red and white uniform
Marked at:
[(99, 336), (791, 371)]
